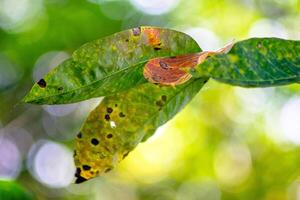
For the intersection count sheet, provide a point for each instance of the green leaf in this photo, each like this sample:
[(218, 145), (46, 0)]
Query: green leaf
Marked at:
[(120, 122), (257, 62), (108, 65), (10, 190)]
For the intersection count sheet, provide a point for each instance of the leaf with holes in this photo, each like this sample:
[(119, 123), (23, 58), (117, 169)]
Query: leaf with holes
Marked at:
[(109, 65), (257, 62), (121, 121)]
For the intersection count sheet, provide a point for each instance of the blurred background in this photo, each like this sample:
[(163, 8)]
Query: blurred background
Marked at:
[(228, 143)]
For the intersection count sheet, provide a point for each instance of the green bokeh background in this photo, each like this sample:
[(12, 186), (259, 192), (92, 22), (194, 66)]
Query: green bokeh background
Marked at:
[(228, 143)]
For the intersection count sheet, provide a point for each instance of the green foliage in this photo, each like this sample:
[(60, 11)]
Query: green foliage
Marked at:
[(10, 190), (133, 108), (257, 62)]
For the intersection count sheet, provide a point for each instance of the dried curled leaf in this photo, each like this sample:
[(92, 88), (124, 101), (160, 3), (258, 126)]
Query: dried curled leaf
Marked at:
[(175, 70), (121, 121), (108, 65)]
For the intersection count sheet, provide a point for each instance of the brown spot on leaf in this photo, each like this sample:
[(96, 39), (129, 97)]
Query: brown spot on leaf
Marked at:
[(108, 169), (127, 40), (109, 136), (136, 31), (94, 141), (42, 83), (156, 78), (153, 36), (163, 65), (125, 155)]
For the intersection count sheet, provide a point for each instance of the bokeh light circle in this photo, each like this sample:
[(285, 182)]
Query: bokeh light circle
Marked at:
[(155, 7), (10, 159), (15, 15), (206, 38), (289, 120), (51, 164), (268, 28), (232, 164)]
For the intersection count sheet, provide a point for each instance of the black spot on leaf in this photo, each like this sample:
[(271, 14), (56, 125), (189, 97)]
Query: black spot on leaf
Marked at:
[(159, 103), (121, 114), (86, 167), (108, 136), (80, 179), (127, 40), (79, 135), (109, 110), (157, 48), (42, 83), (94, 141), (77, 173), (60, 88), (107, 117), (164, 98)]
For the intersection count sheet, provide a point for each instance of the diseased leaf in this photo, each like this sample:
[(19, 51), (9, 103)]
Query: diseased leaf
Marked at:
[(108, 65), (175, 70), (257, 62), (121, 121)]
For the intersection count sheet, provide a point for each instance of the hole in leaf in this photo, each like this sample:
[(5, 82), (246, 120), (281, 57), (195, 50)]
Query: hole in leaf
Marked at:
[(112, 124), (136, 31)]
